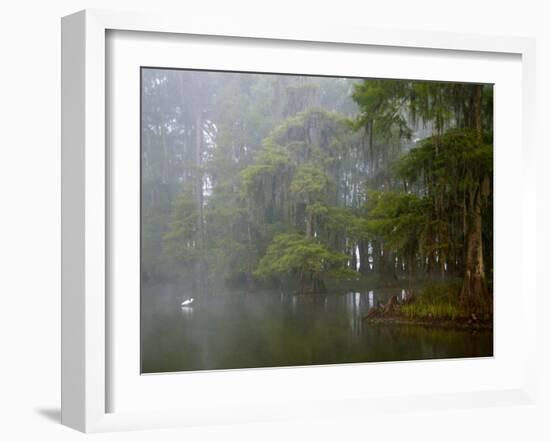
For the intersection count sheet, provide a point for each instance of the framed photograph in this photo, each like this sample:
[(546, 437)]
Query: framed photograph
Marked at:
[(266, 223)]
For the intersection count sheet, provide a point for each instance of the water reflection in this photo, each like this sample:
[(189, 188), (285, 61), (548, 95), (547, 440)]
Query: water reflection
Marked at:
[(236, 330), (187, 312)]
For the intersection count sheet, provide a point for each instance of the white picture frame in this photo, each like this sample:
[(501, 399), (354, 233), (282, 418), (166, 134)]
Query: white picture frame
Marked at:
[(86, 316)]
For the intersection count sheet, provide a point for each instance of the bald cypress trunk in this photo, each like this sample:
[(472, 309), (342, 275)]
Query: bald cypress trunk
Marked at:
[(311, 283), (474, 294)]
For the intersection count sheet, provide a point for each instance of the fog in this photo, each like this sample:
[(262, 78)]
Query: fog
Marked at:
[(267, 198)]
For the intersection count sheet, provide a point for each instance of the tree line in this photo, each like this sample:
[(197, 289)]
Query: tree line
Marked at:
[(255, 180)]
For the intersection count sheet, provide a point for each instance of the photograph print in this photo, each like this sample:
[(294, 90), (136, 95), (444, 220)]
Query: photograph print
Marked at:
[(294, 220)]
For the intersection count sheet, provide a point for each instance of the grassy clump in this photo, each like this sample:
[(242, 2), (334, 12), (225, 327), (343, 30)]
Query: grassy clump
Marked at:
[(437, 301)]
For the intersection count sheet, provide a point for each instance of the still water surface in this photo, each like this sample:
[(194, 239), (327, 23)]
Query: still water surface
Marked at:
[(267, 329)]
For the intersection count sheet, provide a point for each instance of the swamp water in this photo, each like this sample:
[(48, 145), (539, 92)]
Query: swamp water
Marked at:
[(269, 329)]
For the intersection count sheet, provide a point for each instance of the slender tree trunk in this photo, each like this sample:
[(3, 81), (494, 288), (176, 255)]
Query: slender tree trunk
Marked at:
[(442, 260), (353, 256), (200, 273), (309, 224), (376, 257), (364, 268), (371, 145), (476, 107)]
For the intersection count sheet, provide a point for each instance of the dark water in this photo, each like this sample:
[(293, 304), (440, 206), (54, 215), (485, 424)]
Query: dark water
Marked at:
[(267, 329)]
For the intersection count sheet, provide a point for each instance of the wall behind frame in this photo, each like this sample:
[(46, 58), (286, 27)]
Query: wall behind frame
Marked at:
[(30, 232)]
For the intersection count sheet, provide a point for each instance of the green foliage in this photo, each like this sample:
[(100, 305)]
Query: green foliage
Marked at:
[(180, 242), (455, 161), (152, 230), (397, 218), (346, 222), (314, 136), (231, 253), (272, 162), (433, 102), (296, 255), (447, 170), (318, 210), (381, 104), (310, 184), (290, 175)]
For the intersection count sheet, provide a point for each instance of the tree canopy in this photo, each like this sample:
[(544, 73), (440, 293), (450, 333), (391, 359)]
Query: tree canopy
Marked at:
[(284, 180)]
